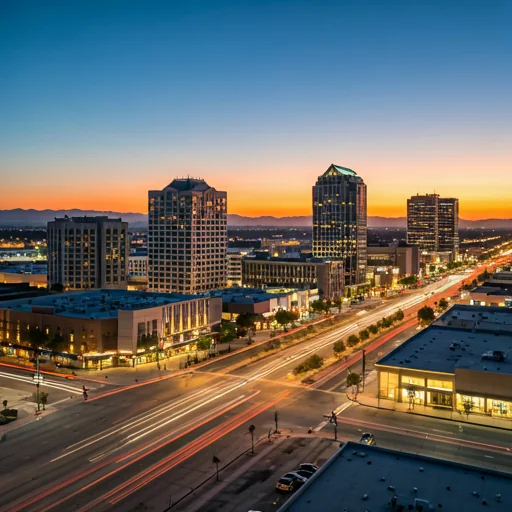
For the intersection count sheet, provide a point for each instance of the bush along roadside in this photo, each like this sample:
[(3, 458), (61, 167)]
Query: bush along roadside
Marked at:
[(353, 343)]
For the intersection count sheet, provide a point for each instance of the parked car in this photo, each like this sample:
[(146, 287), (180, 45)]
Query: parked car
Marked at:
[(367, 438), (313, 468), (290, 482), (304, 473)]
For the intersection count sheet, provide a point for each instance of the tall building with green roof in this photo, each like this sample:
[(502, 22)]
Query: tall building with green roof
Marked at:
[(340, 221)]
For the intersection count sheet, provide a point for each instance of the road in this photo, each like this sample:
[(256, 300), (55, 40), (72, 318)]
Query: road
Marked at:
[(133, 449)]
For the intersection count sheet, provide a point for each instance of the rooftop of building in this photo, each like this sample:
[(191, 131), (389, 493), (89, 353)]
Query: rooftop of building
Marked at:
[(368, 478), (242, 295), (188, 183), (494, 288), (502, 276), (95, 304), (338, 170), (88, 220), (465, 337)]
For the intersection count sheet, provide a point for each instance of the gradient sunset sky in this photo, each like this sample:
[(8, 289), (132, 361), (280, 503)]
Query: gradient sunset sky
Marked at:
[(102, 101)]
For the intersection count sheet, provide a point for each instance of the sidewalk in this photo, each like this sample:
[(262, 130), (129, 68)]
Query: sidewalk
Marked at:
[(370, 399)]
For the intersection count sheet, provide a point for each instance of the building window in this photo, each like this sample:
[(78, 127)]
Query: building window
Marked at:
[(499, 408), (440, 384), (470, 404), (412, 381), (436, 398), (388, 385)]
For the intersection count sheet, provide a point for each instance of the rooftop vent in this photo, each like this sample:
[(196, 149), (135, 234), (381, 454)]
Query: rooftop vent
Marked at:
[(494, 355)]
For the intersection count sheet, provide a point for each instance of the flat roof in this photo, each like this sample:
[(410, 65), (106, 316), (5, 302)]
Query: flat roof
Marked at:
[(461, 339), (240, 295), (367, 478), (96, 304)]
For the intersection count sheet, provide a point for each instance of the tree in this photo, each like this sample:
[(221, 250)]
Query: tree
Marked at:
[(338, 347), (467, 406), (353, 379), (43, 398), (5, 402), (227, 332), (408, 281), (399, 315), (204, 343), (426, 315), (443, 304), (216, 461), (373, 329), (37, 337), (364, 335), (284, 317), (352, 340), (484, 276), (319, 306), (245, 320), (56, 343)]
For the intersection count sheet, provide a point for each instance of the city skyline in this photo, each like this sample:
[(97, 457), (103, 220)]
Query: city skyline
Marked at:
[(99, 108)]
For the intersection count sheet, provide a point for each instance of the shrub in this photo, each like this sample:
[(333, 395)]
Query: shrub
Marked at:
[(373, 329), (364, 335), (399, 315), (311, 363), (338, 348), (352, 340)]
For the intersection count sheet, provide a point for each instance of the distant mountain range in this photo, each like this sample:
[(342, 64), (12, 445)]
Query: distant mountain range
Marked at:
[(36, 218)]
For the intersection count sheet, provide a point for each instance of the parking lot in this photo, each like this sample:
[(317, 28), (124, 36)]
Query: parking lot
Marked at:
[(250, 483)]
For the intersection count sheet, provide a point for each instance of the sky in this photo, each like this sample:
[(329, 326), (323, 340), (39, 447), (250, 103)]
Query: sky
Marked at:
[(102, 101)]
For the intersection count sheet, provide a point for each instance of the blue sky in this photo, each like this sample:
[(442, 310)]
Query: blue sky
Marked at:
[(258, 98)]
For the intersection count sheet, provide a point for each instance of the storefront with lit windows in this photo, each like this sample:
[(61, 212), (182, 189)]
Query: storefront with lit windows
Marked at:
[(461, 364)]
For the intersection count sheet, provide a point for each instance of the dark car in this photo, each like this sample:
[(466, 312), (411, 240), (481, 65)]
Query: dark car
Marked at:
[(304, 473), (367, 438), (313, 468)]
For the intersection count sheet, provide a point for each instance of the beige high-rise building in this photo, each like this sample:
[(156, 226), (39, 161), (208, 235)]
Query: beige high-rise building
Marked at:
[(88, 252), (187, 237)]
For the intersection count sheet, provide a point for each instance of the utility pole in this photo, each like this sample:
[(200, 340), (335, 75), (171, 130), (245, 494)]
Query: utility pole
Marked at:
[(276, 419)]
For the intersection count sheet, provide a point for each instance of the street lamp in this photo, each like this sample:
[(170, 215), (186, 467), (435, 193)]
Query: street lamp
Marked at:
[(252, 428)]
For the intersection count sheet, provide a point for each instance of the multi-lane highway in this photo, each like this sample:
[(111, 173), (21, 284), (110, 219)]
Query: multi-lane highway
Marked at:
[(133, 449)]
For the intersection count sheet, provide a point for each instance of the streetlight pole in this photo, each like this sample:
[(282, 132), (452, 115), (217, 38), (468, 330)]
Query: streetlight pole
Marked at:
[(252, 428), (38, 376)]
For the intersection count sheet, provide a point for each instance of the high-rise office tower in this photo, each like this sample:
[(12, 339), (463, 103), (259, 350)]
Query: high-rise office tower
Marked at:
[(339, 221), (422, 222), (448, 224), (433, 223), (187, 237), (88, 252)]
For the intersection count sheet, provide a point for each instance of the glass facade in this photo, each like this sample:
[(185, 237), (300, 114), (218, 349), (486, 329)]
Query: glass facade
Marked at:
[(388, 385), (340, 222)]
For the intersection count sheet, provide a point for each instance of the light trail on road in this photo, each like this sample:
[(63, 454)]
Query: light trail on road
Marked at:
[(147, 450), (181, 455), (47, 383)]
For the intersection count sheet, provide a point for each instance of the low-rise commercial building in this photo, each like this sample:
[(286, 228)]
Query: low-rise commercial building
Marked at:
[(462, 362), (263, 303), (363, 478), (94, 324), (405, 258), (492, 293), (311, 273)]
